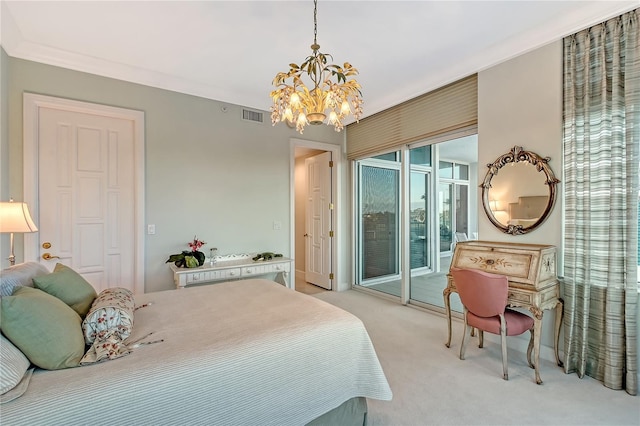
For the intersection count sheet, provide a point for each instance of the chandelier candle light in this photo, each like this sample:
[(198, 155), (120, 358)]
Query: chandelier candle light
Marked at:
[(297, 104)]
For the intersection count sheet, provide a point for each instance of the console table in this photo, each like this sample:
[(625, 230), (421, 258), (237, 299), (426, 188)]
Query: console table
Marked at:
[(232, 267), (533, 283)]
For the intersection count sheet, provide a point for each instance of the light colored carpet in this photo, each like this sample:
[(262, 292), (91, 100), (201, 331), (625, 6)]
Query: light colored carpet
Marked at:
[(432, 386)]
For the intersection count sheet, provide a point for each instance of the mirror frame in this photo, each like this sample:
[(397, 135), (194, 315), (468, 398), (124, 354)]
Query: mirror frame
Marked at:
[(516, 155)]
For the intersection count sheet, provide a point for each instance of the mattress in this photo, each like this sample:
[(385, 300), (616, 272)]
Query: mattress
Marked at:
[(234, 353)]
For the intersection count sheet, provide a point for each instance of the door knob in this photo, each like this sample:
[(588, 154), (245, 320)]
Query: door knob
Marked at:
[(49, 256)]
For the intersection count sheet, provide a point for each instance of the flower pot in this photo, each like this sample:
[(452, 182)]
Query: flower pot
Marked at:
[(199, 256)]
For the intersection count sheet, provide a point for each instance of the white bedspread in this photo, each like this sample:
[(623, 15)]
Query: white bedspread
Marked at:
[(238, 353)]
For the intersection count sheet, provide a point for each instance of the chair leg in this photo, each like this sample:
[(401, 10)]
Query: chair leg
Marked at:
[(465, 330), (530, 348), (480, 338), (503, 337)]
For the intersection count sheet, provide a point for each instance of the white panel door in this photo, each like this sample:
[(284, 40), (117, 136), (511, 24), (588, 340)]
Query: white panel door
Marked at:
[(86, 195), (318, 220)]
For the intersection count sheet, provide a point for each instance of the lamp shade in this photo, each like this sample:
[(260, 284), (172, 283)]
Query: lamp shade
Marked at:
[(15, 217)]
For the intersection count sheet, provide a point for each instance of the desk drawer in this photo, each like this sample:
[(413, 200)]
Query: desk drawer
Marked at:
[(519, 298), (230, 273), (196, 277), (281, 267), (265, 269), (254, 270)]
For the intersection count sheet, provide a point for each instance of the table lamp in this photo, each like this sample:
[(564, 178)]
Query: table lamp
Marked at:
[(15, 217)]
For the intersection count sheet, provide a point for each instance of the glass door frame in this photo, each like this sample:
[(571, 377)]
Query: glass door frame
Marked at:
[(426, 171), (453, 184), (359, 235)]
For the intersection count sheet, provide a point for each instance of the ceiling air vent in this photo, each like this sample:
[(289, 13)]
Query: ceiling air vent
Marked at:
[(253, 116)]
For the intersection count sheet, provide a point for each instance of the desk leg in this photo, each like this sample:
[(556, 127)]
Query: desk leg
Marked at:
[(537, 329), (556, 340), (281, 278), (446, 293)]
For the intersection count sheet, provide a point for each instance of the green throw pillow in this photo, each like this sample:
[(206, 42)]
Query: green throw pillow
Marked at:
[(68, 286), (43, 327)]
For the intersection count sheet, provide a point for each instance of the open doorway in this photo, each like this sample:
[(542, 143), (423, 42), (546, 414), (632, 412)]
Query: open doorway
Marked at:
[(314, 212)]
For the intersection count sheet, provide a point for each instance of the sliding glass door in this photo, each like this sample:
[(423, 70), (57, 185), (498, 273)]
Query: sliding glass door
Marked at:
[(409, 205), (421, 224), (378, 185)]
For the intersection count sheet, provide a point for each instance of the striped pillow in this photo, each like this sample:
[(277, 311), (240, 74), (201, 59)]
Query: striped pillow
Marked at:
[(18, 275), (13, 366)]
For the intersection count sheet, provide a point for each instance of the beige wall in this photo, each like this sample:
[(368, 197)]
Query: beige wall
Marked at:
[(300, 209), (4, 128), (207, 172), (520, 103), (4, 144)]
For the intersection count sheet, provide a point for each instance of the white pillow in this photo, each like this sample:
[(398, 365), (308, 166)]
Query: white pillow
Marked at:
[(20, 275), (14, 374)]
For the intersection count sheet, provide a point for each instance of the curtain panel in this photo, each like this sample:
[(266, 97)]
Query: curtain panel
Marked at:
[(601, 139)]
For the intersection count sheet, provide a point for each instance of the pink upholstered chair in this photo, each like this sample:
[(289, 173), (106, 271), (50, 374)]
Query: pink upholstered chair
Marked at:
[(484, 298)]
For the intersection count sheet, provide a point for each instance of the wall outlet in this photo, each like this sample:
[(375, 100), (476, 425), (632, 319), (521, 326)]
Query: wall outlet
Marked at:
[(277, 225), (151, 229)]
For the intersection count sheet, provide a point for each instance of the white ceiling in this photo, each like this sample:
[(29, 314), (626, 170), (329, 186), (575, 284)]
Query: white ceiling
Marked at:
[(231, 50)]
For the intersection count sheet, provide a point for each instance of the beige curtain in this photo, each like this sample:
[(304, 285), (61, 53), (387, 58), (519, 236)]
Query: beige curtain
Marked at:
[(452, 109), (601, 166)]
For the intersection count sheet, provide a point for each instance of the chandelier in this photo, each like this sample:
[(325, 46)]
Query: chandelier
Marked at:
[(294, 102)]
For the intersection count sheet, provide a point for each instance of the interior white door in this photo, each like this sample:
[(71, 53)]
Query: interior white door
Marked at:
[(86, 195), (318, 220)]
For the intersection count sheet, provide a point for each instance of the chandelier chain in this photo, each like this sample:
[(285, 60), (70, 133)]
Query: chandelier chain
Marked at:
[(315, 22)]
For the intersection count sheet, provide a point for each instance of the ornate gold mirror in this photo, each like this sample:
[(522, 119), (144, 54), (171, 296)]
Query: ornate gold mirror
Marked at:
[(519, 191)]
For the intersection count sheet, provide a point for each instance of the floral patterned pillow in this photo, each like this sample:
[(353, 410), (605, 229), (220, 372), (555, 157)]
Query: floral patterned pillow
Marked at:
[(107, 325), (112, 311)]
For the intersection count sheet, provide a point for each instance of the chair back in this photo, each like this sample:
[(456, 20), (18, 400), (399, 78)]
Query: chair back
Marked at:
[(482, 293)]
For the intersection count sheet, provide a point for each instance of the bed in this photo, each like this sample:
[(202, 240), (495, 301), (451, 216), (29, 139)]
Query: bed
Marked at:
[(527, 211), (234, 353)]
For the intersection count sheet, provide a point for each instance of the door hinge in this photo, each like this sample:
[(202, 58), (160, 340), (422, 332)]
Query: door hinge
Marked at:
[(330, 163), (331, 276), (330, 206), (330, 234)]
